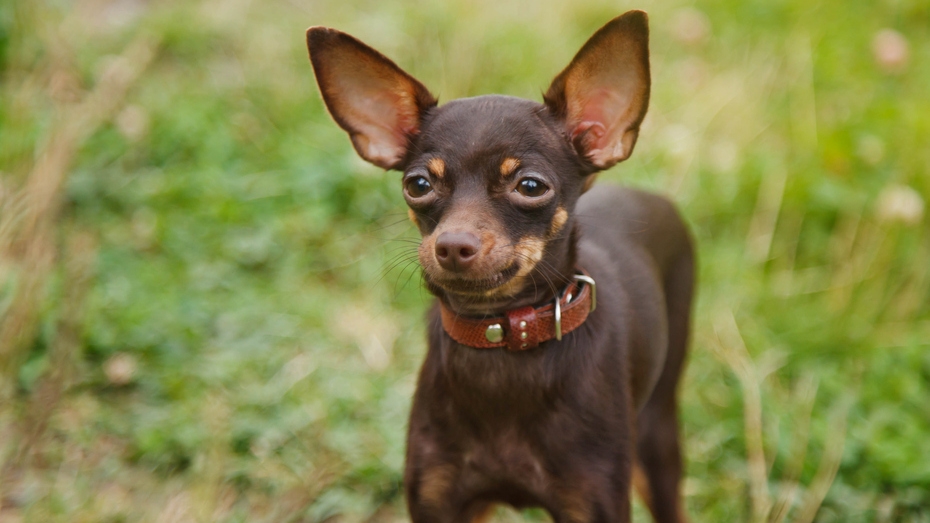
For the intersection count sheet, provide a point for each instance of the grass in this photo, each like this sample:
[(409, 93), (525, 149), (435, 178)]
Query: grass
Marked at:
[(208, 310)]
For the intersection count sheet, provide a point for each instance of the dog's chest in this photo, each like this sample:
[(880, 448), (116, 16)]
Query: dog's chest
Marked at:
[(505, 459), (496, 385)]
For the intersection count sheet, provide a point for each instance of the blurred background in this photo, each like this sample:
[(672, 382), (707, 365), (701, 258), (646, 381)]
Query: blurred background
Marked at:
[(210, 311)]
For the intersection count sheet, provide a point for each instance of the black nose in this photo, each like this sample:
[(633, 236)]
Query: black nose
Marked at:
[(456, 251)]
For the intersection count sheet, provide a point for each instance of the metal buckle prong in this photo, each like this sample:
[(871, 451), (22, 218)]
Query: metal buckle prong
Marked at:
[(590, 281), (558, 303)]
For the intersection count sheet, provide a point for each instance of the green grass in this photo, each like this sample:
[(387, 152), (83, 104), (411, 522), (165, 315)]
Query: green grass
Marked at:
[(245, 346)]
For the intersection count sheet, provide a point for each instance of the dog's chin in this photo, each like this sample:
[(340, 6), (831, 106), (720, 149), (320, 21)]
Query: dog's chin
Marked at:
[(474, 287)]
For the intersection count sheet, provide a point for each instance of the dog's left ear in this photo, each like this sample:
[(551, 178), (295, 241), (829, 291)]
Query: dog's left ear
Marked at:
[(603, 94)]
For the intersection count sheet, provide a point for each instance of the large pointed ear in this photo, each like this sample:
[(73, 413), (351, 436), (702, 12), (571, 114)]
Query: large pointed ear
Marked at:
[(603, 94), (372, 99)]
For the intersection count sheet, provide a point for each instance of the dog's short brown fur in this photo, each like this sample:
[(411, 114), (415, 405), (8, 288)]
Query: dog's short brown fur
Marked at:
[(495, 185)]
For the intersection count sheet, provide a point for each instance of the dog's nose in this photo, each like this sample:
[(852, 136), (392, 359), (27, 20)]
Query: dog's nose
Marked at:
[(456, 251)]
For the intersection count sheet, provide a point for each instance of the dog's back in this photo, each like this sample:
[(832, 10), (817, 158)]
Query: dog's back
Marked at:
[(642, 244)]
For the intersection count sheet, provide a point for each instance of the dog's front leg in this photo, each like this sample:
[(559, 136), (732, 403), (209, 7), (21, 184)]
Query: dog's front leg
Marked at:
[(433, 495), (430, 489), (592, 502), (477, 512)]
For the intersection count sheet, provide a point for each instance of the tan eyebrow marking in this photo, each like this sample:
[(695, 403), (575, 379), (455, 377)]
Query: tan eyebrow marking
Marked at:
[(558, 221), (437, 167), (508, 166)]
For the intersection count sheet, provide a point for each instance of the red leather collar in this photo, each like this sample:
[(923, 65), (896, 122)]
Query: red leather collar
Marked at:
[(527, 327)]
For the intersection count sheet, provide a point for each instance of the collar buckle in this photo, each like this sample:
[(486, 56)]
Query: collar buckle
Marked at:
[(558, 302)]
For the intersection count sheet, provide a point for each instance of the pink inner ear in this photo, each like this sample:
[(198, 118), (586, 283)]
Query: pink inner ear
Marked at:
[(591, 115), (383, 119), (376, 102), (603, 93), (602, 121)]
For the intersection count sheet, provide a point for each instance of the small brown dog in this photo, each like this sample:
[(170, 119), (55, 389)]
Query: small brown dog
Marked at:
[(561, 324)]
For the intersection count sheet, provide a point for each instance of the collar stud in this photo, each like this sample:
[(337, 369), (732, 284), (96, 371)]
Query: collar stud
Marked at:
[(494, 333)]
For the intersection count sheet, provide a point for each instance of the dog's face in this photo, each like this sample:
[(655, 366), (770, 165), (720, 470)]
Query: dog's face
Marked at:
[(491, 181), (489, 186)]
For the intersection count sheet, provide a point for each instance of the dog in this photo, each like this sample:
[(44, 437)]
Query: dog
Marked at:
[(560, 325)]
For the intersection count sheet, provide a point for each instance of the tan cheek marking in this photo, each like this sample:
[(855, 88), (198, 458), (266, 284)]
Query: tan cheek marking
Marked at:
[(413, 217), (508, 166), (426, 252), (558, 221), (437, 167), (488, 242), (529, 250)]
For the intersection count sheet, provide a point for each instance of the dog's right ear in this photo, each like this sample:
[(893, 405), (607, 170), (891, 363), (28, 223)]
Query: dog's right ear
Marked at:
[(372, 99)]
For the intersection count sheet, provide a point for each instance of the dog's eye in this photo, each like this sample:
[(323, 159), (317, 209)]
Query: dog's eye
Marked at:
[(532, 188), (418, 186)]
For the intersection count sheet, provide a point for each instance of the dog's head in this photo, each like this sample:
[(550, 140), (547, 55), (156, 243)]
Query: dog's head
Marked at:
[(492, 181)]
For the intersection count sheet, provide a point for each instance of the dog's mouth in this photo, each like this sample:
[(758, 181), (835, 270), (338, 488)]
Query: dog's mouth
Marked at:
[(476, 286)]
